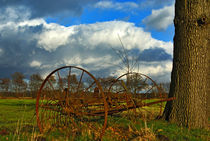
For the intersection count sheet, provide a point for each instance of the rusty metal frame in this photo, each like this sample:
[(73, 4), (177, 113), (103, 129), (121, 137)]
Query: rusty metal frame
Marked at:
[(159, 89), (106, 96), (95, 80)]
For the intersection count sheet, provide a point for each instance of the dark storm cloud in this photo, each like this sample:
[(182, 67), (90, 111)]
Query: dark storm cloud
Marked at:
[(32, 29), (42, 8), (16, 53), (19, 49), (154, 54), (150, 55)]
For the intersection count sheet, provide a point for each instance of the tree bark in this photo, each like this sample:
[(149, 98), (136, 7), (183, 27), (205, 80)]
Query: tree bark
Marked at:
[(190, 73)]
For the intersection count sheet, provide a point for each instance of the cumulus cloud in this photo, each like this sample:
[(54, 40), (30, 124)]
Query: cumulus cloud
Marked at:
[(157, 68), (116, 5), (159, 71), (40, 8), (32, 46), (160, 19), (35, 63), (53, 36)]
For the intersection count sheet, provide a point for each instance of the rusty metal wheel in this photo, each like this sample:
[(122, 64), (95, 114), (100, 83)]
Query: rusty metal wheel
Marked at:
[(71, 100), (136, 91), (132, 97)]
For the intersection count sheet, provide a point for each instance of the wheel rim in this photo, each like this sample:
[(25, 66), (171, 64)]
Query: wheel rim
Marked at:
[(141, 89), (67, 98), (133, 101)]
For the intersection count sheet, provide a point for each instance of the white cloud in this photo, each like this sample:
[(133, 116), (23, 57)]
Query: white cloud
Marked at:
[(88, 45), (33, 22), (53, 36), (156, 68), (158, 71), (107, 33), (91, 36), (116, 5), (160, 19), (35, 63), (73, 61), (96, 60)]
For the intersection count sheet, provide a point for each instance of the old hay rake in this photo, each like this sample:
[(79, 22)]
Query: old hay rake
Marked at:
[(72, 100)]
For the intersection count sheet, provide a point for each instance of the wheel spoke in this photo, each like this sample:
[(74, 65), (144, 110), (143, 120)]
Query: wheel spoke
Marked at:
[(80, 81), (69, 78), (49, 81), (60, 82), (90, 86)]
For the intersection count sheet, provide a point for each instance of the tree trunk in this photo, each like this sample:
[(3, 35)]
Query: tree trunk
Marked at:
[(189, 78)]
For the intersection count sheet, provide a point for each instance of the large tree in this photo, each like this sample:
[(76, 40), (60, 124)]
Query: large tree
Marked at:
[(190, 74)]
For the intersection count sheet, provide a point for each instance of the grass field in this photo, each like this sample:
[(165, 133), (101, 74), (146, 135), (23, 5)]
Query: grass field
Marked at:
[(18, 122)]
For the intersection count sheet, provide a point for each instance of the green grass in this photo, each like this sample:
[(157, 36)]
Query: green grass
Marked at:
[(17, 118), (176, 133), (14, 110), (18, 122)]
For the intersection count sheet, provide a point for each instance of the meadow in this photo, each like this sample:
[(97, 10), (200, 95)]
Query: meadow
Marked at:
[(18, 122)]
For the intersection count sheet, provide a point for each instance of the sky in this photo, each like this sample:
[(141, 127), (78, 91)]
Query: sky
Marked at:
[(38, 36)]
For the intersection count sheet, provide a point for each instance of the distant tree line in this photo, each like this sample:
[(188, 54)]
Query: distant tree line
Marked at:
[(18, 86)]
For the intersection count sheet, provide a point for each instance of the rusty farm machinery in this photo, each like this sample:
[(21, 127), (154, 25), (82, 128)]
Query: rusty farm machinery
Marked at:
[(71, 99)]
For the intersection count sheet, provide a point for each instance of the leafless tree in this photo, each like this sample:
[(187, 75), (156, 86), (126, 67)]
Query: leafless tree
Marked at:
[(35, 83), (18, 84), (4, 84), (128, 61)]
